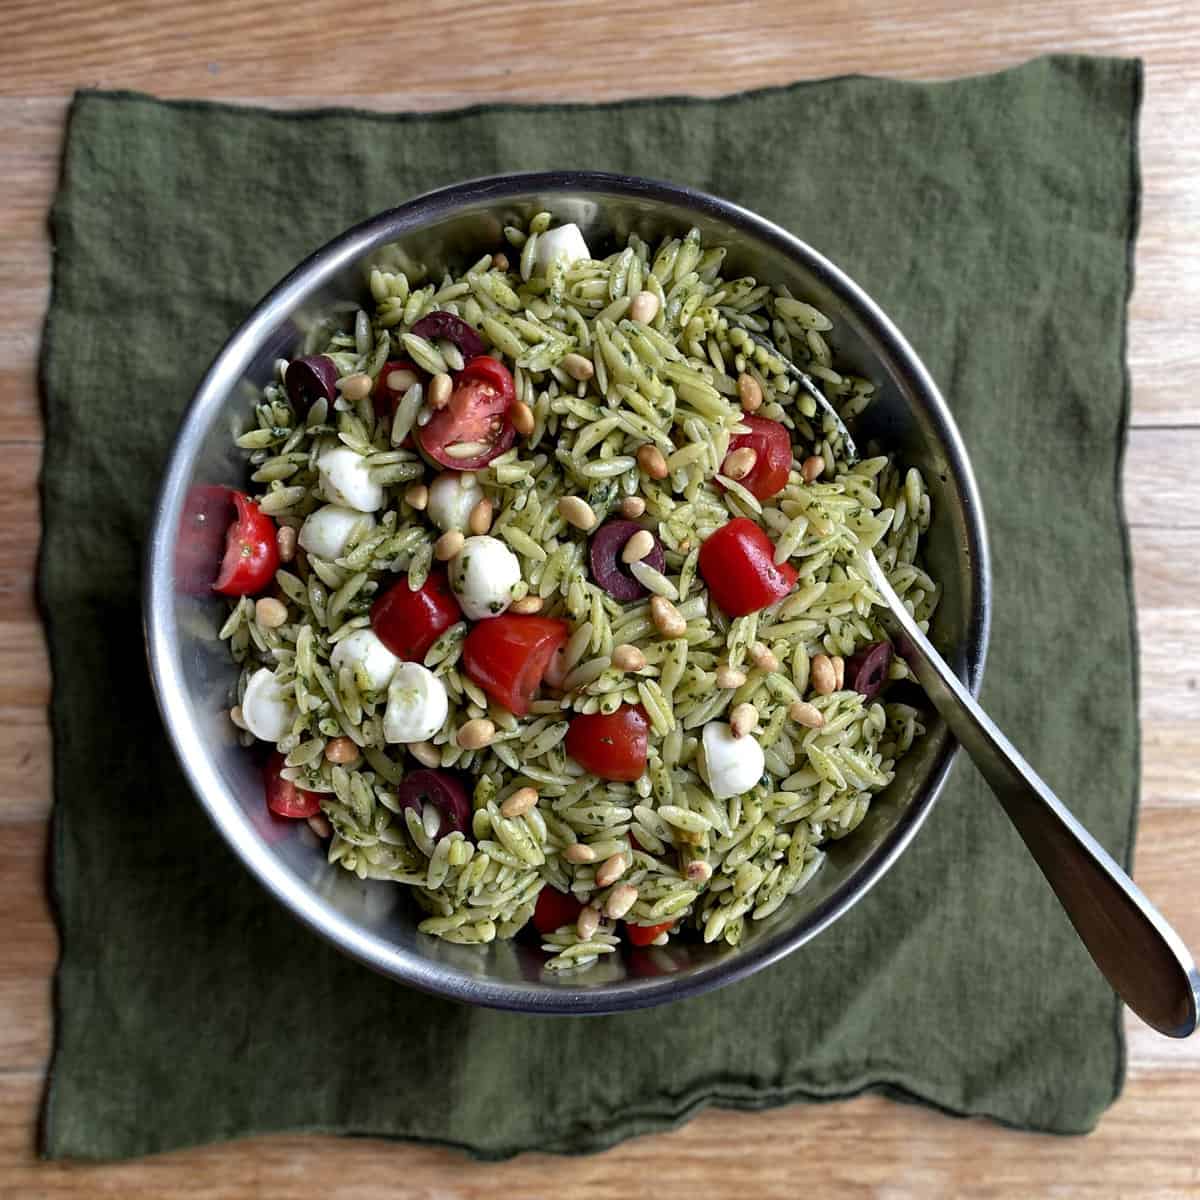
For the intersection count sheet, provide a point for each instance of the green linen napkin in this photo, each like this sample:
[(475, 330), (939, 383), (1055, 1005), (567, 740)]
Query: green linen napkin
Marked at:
[(993, 218)]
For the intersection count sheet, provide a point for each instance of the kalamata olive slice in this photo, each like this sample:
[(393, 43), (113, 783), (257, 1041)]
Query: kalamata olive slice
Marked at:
[(867, 670), (444, 792), (308, 380), (455, 329), (613, 575)]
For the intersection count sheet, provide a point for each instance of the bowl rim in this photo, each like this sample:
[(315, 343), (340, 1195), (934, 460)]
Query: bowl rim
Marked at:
[(222, 806)]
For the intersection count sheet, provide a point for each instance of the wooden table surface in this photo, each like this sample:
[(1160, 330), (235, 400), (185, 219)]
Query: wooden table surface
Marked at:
[(404, 55)]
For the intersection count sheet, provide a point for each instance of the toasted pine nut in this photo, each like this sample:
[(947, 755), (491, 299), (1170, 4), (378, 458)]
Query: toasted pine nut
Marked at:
[(812, 467), (808, 715), (628, 658), (522, 417), (427, 754), (620, 900), (685, 545), (668, 620), (823, 675), (839, 671), (448, 545), (632, 507), (400, 380), (417, 494), (500, 262), (577, 852), (762, 658), (587, 922), (749, 393), (650, 459), (698, 871), (578, 512), (285, 539), (355, 387), (235, 715), (269, 612), (527, 605), (341, 750), (319, 824), (638, 546), (743, 719), (739, 463), (476, 734), (519, 803), (440, 387), (480, 520), (611, 870), (644, 307), (730, 677), (577, 366)]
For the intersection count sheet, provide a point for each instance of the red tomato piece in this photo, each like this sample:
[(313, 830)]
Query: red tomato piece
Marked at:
[(643, 935), (408, 622), (477, 415), (385, 397), (738, 564), (508, 656), (553, 910), (772, 446), (251, 552), (611, 745), (284, 798)]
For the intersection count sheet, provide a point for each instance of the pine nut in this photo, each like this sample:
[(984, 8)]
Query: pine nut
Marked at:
[(577, 852), (417, 495), (823, 675), (476, 734), (519, 803), (650, 459), (632, 507), (526, 606), (522, 417), (285, 539), (685, 545), (666, 617), (698, 871), (611, 870), (739, 463), (730, 677), (270, 613), (577, 366), (235, 715), (743, 719), (628, 658), (319, 824), (638, 546), (480, 520), (341, 750), (356, 387), (620, 900), (400, 380), (426, 753), (644, 307), (448, 545), (578, 512), (661, 938), (808, 715), (749, 393), (440, 387), (839, 671), (812, 467), (762, 658), (587, 922), (500, 262)]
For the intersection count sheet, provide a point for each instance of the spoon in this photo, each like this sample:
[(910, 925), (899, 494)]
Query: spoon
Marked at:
[(1137, 951)]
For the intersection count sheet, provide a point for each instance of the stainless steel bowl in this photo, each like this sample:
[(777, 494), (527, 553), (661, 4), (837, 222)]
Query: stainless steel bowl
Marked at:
[(194, 677)]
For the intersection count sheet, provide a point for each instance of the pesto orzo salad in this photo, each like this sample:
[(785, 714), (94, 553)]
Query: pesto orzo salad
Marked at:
[(547, 595)]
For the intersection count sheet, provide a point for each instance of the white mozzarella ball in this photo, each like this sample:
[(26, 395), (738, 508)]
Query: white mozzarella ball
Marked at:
[(483, 574), (452, 496), (268, 709), (328, 531), (417, 704), (363, 648), (564, 242), (347, 480), (732, 765)]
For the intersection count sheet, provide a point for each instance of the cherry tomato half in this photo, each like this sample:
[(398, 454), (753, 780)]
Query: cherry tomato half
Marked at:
[(611, 745), (284, 798), (643, 935), (477, 415), (386, 397), (408, 622), (738, 564), (772, 446), (251, 552), (508, 656), (553, 910)]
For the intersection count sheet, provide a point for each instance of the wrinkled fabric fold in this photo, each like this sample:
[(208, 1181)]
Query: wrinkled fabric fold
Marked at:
[(993, 218)]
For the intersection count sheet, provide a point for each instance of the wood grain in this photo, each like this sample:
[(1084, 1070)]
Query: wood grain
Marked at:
[(297, 53)]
